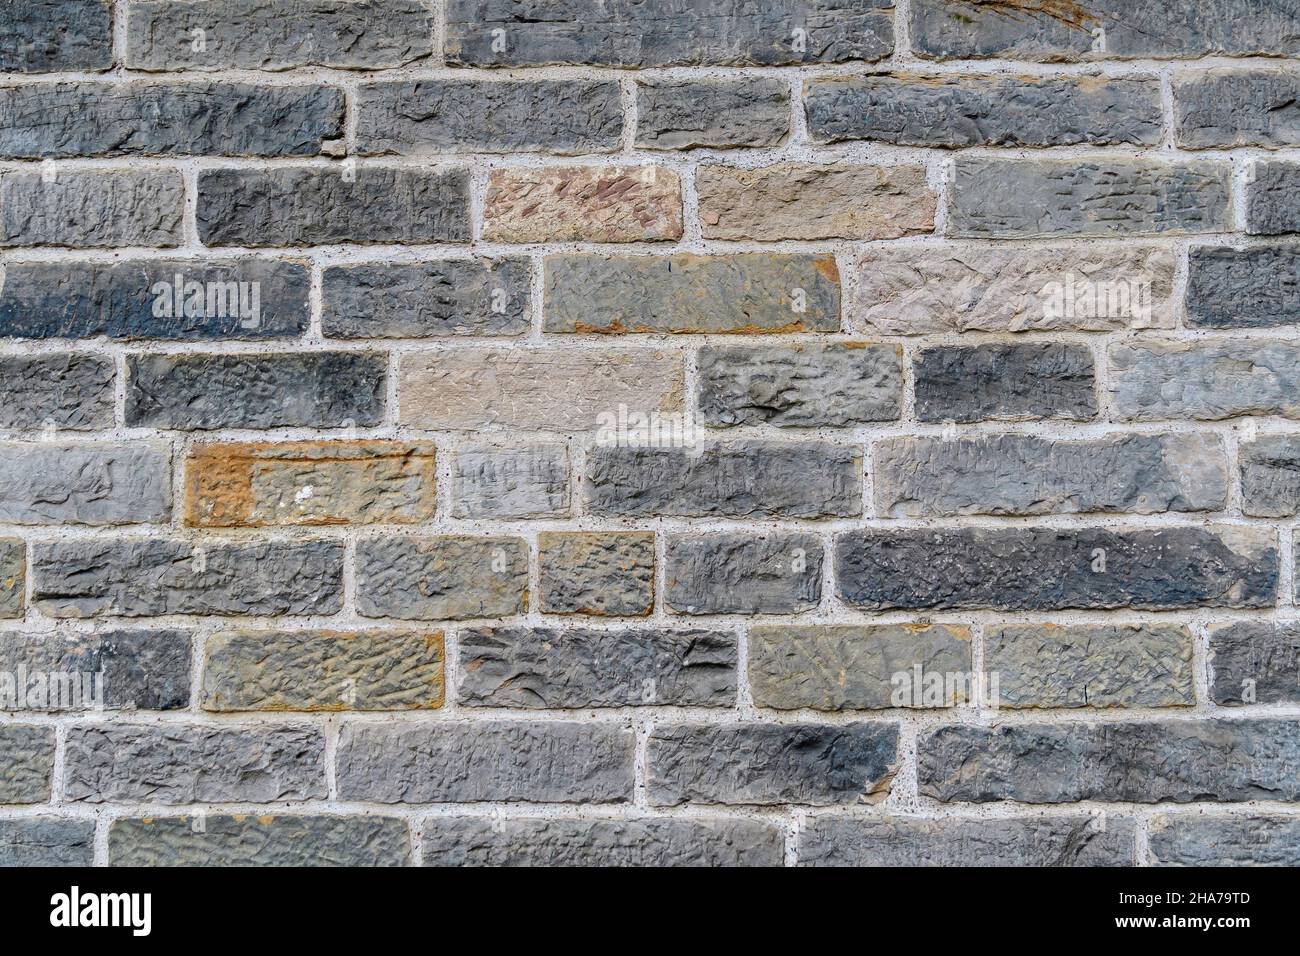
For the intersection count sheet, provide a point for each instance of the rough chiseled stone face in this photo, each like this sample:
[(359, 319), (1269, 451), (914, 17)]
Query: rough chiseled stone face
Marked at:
[(1207, 380), (45, 36), (47, 841), (743, 573), (712, 113), (1187, 840), (56, 390), (92, 208), (1249, 288), (442, 578), (1255, 662), (26, 763), (91, 484), (528, 667), (1016, 381), (1273, 199), (255, 840), (604, 574), (529, 481), (1270, 476), (583, 204), (13, 577), (1220, 109)]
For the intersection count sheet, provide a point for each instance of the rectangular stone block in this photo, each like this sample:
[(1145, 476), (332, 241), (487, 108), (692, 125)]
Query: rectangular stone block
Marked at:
[(92, 208), (48, 36), (743, 573), (416, 300), (1249, 288), (442, 578), (48, 483), (1223, 109), (598, 573), (582, 204), (750, 293), (486, 760), (47, 841), (13, 577), (322, 671), (307, 389), (768, 764), (1048, 198), (1273, 199), (193, 763), (1206, 380), (254, 485), (1270, 476), (711, 113), (1126, 665), (852, 667), (750, 480), (56, 390), (1008, 381), (1255, 662), (529, 481), (1056, 568), (536, 389), (814, 201), (1184, 840), (26, 763), (1175, 761), (1025, 475), (532, 667), (142, 577)]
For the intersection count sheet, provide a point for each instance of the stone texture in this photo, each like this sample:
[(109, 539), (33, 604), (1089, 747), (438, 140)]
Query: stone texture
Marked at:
[(852, 667), (1014, 842), (535, 389), (1270, 476), (1222, 109), (651, 842), (253, 485), (741, 293), (1186, 840), (1127, 665), (398, 300), (1273, 199), (44, 483), (45, 36), (743, 573), (442, 578), (528, 667), (712, 113), (26, 763), (13, 577), (1007, 381), (180, 763), (1206, 380), (1024, 475), (92, 208), (750, 480), (1177, 761), (582, 204), (538, 762), (1255, 662), (140, 577), (56, 390), (765, 764), (814, 201), (1249, 288), (248, 840), (1046, 198), (1050, 569), (322, 671), (47, 841), (800, 386), (530, 481), (911, 109), (605, 574)]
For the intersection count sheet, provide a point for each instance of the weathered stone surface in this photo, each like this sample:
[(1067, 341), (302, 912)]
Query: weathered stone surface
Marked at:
[(56, 390), (715, 114), (1249, 288), (912, 109), (1186, 840), (277, 34), (97, 484), (753, 480), (1270, 476), (766, 764), (852, 667), (916, 291), (316, 389), (1205, 380), (657, 842), (398, 300), (323, 670), (814, 201), (91, 208), (543, 389), (13, 577), (1045, 198), (313, 205), (597, 572), (310, 483), (47, 841), (138, 577), (113, 670), (554, 116), (1273, 199), (530, 481), (255, 840), (1048, 665), (44, 36), (169, 299), (1222, 109), (1029, 841), (743, 573), (1024, 475), (179, 763), (1255, 662), (1178, 761), (746, 293), (634, 33), (1051, 568), (582, 204), (800, 385), (155, 119), (26, 763), (442, 578), (1009, 381), (530, 667), (464, 762)]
